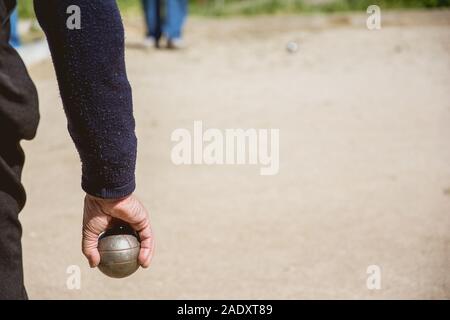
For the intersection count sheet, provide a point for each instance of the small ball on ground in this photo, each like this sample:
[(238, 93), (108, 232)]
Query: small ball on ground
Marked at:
[(292, 47)]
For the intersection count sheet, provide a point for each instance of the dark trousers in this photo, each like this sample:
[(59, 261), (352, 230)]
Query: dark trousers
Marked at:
[(19, 118)]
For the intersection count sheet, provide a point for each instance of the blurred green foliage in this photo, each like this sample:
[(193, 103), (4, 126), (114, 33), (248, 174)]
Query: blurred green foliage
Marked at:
[(252, 7), (26, 6)]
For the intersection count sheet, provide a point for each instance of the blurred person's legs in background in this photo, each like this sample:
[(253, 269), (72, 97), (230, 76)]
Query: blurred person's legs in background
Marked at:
[(176, 12), (153, 21), (19, 118), (14, 39)]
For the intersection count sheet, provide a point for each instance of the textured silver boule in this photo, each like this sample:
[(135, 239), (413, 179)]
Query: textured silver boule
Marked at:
[(118, 254)]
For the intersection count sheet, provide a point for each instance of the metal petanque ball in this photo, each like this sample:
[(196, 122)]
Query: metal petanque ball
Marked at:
[(119, 250)]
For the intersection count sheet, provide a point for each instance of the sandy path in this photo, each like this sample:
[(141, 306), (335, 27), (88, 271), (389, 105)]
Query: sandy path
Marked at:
[(364, 176)]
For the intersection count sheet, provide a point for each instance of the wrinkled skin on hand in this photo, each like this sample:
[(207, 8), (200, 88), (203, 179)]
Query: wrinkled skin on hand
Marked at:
[(99, 214)]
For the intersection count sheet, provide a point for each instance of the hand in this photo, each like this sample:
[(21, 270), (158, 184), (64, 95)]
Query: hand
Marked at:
[(100, 213)]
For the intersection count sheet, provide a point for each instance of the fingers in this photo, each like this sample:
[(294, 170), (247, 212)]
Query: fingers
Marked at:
[(133, 212), (89, 247), (94, 223), (98, 215), (147, 247)]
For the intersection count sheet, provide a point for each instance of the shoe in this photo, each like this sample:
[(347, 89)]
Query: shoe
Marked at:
[(176, 43), (150, 42)]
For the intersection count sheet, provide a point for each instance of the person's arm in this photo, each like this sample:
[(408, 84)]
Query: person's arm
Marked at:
[(96, 95), (94, 88)]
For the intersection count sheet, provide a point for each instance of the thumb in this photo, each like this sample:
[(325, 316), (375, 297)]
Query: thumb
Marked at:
[(89, 247)]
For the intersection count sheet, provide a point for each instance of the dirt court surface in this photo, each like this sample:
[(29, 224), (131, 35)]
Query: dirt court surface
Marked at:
[(364, 178)]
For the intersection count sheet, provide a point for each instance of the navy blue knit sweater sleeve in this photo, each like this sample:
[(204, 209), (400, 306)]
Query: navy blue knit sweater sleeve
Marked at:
[(95, 91)]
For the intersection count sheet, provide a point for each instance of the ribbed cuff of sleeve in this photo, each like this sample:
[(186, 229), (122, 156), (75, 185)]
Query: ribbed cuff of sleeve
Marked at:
[(109, 192)]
